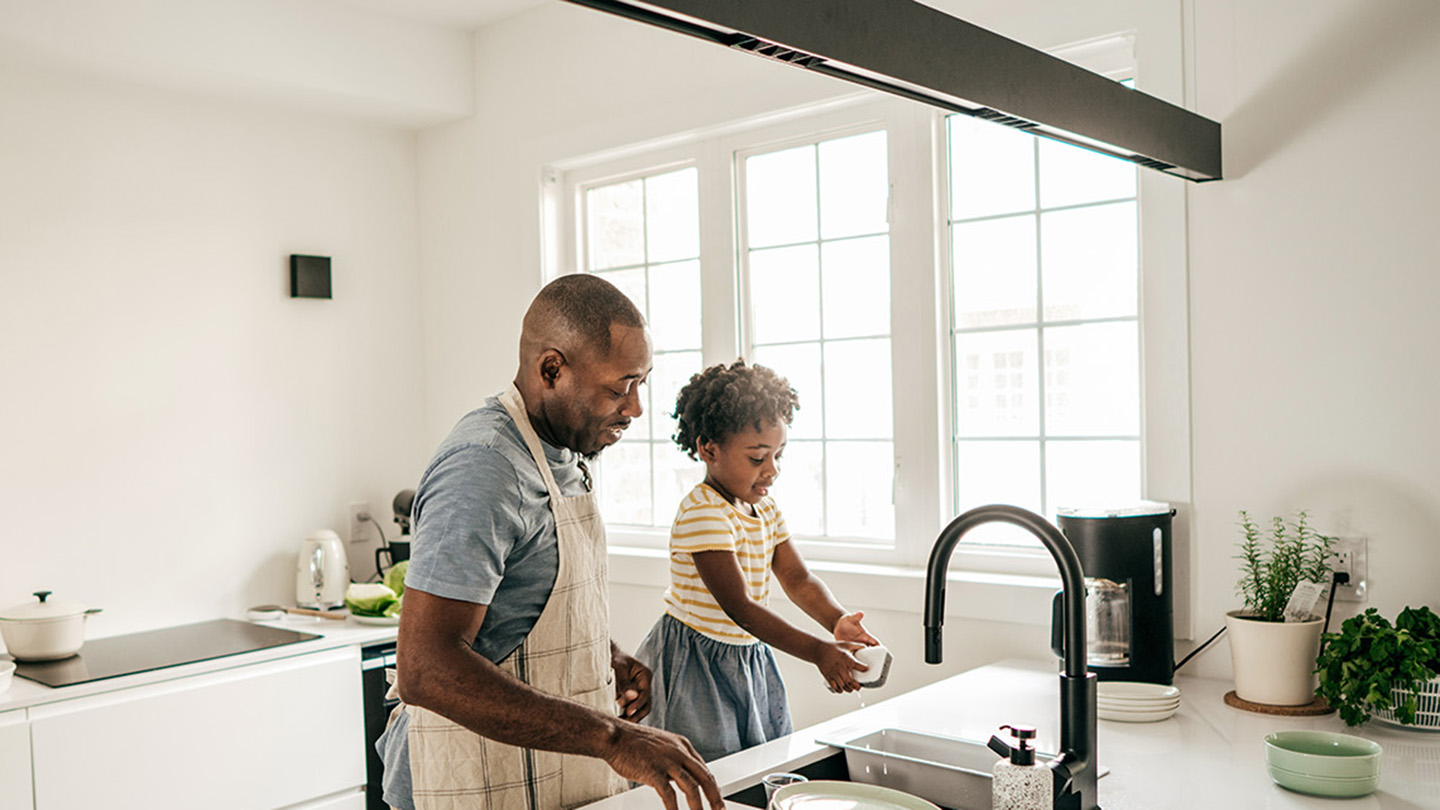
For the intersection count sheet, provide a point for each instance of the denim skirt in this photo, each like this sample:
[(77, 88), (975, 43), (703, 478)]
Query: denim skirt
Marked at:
[(723, 697)]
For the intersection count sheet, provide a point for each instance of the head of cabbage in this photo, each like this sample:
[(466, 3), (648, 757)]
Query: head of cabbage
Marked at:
[(395, 577), (371, 599)]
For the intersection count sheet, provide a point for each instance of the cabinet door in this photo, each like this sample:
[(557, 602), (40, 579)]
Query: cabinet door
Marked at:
[(251, 738), (15, 788)]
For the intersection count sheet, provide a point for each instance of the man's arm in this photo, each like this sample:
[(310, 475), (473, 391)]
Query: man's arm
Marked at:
[(438, 670)]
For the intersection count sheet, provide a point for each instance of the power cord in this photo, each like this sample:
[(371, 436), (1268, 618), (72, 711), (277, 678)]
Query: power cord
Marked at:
[(1336, 578), (1197, 650), (384, 544)]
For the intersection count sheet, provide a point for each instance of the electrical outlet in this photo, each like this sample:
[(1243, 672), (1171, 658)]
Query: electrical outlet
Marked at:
[(1351, 556), (360, 515)]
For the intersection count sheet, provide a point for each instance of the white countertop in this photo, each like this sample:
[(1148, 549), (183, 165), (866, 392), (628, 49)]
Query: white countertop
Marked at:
[(25, 693), (1209, 755)]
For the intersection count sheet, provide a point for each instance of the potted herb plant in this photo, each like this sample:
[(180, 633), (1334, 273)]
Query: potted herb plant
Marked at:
[(1390, 671), (1274, 653)]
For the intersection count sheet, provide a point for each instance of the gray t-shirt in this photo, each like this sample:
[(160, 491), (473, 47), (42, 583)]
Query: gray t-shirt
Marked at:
[(484, 533)]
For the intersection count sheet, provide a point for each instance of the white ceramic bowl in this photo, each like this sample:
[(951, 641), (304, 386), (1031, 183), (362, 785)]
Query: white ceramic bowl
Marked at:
[(7, 674), (829, 795), (1135, 715)]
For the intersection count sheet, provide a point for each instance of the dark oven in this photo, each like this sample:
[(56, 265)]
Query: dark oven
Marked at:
[(373, 662)]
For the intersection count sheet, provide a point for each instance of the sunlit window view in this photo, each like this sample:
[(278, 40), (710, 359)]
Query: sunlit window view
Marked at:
[(816, 250), (643, 235), (1044, 323)]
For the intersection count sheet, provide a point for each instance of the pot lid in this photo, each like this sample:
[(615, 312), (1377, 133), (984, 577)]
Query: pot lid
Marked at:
[(43, 608)]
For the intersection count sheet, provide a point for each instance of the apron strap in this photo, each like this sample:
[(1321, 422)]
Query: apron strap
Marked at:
[(515, 405)]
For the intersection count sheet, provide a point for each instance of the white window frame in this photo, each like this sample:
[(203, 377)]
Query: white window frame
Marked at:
[(920, 272)]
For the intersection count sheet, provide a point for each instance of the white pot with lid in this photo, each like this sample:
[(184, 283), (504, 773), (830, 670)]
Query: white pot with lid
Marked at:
[(44, 630)]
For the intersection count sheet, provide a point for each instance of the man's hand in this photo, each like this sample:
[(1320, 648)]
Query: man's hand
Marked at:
[(660, 759), (632, 684)]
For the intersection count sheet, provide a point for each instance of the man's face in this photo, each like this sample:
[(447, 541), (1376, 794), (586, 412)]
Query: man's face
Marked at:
[(596, 397)]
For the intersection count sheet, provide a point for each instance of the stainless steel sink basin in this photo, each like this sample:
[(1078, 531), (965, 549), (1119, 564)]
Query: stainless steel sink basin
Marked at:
[(951, 772)]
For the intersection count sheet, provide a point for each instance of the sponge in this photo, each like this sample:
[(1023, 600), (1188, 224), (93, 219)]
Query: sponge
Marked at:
[(878, 659)]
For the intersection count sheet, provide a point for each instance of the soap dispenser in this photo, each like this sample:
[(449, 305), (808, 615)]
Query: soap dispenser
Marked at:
[(1019, 783)]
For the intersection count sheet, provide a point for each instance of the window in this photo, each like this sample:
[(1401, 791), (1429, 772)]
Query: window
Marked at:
[(958, 304), (643, 236), (817, 251), (1044, 324)]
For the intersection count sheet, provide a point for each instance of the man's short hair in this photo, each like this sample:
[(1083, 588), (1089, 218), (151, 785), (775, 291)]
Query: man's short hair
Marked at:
[(585, 307)]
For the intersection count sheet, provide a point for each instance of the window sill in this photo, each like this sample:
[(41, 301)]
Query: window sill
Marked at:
[(1013, 598)]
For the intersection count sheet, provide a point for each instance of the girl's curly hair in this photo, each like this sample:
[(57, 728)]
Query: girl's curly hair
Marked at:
[(724, 400)]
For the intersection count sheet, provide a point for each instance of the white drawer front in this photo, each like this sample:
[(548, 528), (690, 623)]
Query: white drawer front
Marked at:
[(14, 760), (251, 738)]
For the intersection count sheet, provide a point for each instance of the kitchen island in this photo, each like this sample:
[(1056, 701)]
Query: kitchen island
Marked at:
[(1209, 755)]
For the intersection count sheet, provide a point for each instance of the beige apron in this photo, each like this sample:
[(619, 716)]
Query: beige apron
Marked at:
[(567, 653)]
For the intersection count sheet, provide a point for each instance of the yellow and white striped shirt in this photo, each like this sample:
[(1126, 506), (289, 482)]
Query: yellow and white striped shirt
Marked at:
[(705, 521)]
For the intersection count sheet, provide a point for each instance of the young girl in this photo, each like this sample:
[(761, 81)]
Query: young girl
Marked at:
[(715, 679)]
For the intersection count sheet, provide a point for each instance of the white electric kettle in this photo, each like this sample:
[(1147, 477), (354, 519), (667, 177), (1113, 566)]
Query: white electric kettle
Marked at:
[(322, 572)]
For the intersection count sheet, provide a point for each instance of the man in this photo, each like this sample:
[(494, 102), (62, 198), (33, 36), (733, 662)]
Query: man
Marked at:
[(505, 669)]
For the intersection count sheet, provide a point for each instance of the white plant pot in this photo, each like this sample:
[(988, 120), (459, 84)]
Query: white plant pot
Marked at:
[(1274, 662)]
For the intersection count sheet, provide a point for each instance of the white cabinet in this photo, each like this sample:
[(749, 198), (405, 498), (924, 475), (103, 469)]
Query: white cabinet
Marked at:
[(257, 737), (14, 760)]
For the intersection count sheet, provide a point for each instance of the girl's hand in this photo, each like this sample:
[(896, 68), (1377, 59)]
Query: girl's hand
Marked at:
[(848, 628), (838, 666)]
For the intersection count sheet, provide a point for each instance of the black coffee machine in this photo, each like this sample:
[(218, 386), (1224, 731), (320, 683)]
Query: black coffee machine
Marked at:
[(1125, 554)]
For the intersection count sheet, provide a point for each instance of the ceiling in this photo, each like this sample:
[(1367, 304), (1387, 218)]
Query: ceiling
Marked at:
[(463, 14)]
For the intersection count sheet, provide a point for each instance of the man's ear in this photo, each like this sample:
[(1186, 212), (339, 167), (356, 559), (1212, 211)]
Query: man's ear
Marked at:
[(551, 362)]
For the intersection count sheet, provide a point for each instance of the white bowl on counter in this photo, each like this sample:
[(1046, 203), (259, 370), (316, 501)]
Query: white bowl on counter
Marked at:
[(7, 674)]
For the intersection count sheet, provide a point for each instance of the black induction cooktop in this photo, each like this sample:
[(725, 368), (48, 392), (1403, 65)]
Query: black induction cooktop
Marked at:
[(156, 649)]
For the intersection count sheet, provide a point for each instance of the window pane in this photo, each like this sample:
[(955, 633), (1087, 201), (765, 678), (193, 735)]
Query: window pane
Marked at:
[(800, 489), (1090, 258), (1070, 175), (671, 372), (675, 476), (995, 273), (799, 364), (624, 478), (854, 186), (675, 305), (780, 197), (1092, 473), (616, 225), (672, 216), (857, 287), (992, 168), (997, 472), (632, 283), (785, 294), (860, 481), (1092, 380), (996, 384), (857, 390)]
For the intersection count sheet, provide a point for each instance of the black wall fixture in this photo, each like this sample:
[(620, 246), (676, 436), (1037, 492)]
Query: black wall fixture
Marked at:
[(911, 50), (309, 276)]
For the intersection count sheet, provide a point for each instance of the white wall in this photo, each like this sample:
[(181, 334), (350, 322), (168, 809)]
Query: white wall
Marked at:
[(1311, 266), (172, 424)]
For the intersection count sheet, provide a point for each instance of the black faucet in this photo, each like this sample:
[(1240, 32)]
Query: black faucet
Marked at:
[(1075, 768)]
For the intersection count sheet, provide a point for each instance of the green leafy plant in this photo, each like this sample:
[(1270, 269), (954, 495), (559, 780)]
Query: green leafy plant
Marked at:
[(1369, 657), (1272, 563)]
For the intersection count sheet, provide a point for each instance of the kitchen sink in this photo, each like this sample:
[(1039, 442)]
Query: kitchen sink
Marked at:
[(952, 773)]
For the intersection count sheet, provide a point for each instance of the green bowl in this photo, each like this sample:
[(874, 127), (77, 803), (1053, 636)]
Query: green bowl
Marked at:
[(1323, 754), (1337, 788)]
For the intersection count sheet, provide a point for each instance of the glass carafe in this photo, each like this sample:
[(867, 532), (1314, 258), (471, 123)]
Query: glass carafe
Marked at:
[(1107, 608)]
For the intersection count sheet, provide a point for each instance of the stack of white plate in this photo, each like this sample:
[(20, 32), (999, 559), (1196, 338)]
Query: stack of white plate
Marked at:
[(1134, 702)]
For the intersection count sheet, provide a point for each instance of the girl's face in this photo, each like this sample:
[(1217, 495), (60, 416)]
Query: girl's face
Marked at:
[(743, 465)]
